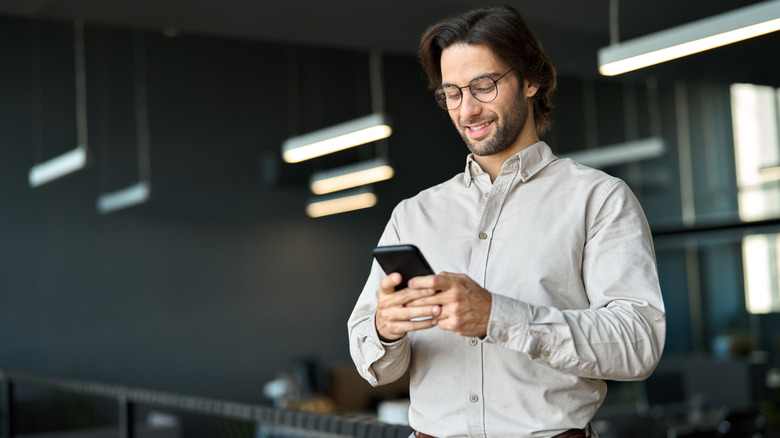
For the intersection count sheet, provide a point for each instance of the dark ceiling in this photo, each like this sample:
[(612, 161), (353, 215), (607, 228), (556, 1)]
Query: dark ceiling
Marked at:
[(571, 30)]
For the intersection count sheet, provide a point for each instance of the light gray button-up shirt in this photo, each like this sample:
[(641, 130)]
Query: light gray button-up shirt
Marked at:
[(567, 254)]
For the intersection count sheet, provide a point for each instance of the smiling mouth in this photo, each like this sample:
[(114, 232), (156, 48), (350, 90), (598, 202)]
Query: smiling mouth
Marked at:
[(475, 131)]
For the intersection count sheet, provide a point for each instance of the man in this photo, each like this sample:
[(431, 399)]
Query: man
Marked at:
[(548, 282)]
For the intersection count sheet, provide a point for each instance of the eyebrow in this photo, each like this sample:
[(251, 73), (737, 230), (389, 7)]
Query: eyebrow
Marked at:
[(484, 75)]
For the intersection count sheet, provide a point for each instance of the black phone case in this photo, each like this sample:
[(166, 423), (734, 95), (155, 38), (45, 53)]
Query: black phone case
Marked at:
[(407, 260)]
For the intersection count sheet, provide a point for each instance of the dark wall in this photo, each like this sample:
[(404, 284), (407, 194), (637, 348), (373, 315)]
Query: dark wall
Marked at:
[(220, 282)]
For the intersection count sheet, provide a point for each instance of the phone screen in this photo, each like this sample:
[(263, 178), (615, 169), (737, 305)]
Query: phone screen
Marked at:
[(407, 260)]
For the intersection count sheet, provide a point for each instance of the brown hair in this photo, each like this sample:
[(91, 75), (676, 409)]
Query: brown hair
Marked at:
[(504, 31)]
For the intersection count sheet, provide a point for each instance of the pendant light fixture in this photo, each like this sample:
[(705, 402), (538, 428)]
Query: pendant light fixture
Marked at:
[(356, 132), (139, 192), (353, 175), (687, 39), (348, 200), (359, 174), (634, 149), (336, 138), (75, 159)]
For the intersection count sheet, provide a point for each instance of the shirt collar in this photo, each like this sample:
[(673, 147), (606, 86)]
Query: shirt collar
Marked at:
[(528, 162)]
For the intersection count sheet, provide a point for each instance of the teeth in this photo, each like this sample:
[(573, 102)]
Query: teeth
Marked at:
[(477, 128)]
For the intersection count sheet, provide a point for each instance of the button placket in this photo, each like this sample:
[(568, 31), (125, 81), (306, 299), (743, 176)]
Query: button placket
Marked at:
[(489, 211)]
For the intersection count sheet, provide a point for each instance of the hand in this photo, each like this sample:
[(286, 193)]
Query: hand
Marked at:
[(465, 305), (395, 309)]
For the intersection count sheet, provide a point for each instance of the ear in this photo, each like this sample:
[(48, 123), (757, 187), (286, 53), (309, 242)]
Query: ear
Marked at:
[(530, 89)]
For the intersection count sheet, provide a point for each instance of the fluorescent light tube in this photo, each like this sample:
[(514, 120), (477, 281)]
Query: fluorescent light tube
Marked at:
[(354, 175), (345, 201), (687, 39), (335, 138), (57, 167), (127, 197), (75, 159), (620, 153)]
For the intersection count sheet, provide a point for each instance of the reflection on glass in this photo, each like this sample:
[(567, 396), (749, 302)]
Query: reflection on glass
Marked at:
[(761, 268), (754, 111)]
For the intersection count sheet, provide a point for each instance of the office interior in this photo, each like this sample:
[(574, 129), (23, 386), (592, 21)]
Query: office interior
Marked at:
[(219, 285)]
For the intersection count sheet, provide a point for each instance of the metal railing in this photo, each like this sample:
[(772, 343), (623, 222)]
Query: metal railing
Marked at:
[(129, 398)]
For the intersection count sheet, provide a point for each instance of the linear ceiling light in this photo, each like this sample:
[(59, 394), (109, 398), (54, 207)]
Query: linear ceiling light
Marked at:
[(622, 153), (335, 138), (353, 175), (687, 39), (58, 166), (349, 200), (127, 197), (75, 159), (139, 192)]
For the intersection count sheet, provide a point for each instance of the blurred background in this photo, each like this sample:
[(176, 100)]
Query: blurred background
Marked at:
[(218, 284)]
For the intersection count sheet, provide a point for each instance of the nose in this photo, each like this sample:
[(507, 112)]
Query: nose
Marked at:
[(469, 106)]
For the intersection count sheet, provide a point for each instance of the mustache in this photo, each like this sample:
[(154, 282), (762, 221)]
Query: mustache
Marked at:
[(476, 121)]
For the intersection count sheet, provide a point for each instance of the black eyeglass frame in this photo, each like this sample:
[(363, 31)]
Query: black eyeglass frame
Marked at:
[(442, 104)]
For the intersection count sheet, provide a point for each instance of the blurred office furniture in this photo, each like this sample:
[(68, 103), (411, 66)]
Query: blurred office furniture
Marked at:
[(688, 396), (127, 403)]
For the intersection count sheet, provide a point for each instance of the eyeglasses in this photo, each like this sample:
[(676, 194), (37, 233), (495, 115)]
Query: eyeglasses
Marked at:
[(483, 88)]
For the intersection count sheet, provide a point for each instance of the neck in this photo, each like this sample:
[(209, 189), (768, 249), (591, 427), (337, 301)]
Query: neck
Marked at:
[(492, 164)]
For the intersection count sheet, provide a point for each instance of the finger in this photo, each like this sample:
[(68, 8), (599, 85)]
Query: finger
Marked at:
[(393, 323), (397, 301), (398, 328), (406, 313), (424, 312), (436, 282), (388, 283), (432, 297)]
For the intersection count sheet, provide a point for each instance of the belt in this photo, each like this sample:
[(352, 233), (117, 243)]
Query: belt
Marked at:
[(572, 433)]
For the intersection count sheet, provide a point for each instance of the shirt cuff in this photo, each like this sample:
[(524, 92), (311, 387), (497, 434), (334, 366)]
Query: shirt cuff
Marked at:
[(508, 324)]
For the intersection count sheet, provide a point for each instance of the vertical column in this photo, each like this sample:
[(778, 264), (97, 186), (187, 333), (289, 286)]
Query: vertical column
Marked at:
[(6, 406), (684, 154), (126, 422)]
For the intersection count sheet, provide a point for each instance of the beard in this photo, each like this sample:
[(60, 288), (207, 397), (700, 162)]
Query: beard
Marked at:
[(506, 130)]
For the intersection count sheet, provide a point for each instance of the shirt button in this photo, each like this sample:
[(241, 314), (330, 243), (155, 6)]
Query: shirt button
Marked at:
[(503, 337), (524, 174), (546, 353), (473, 342), (487, 194), (474, 398), (483, 236)]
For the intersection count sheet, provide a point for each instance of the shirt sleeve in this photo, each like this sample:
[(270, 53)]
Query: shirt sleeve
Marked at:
[(378, 362), (621, 335)]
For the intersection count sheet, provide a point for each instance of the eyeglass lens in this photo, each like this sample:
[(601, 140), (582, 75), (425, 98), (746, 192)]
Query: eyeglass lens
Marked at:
[(483, 89)]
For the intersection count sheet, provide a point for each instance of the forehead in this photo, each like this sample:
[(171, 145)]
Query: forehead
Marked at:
[(461, 63)]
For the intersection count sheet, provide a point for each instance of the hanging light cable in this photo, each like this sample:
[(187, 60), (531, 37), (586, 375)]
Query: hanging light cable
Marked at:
[(139, 192), (698, 36), (75, 159), (368, 171), (345, 135), (359, 174)]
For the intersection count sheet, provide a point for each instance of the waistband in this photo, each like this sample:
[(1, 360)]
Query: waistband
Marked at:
[(571, 433)]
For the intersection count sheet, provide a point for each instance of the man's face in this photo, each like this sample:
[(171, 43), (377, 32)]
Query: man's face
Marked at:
[(492, 127)]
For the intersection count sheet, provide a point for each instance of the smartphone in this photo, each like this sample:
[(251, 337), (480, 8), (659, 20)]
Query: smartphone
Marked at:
[(406, 260)]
